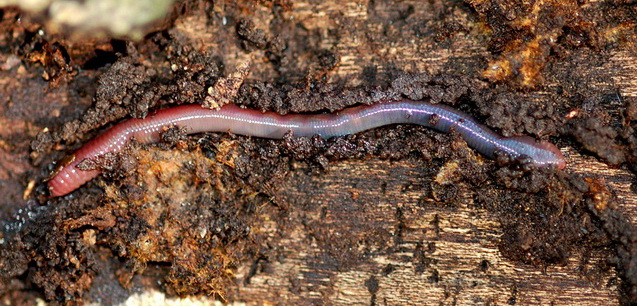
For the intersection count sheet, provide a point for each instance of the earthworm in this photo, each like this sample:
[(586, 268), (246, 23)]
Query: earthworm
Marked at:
[(233, 119)]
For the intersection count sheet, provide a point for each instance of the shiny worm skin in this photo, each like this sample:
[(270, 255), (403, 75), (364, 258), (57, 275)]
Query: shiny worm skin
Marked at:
[(233, 119)]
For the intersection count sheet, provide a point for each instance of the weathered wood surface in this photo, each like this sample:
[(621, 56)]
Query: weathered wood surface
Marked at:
[(464, 266)]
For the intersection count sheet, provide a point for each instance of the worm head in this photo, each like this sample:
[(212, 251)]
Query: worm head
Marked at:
[(542, 152), (553, 154)]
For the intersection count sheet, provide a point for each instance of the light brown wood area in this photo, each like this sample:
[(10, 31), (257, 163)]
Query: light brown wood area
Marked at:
[(456, 261)]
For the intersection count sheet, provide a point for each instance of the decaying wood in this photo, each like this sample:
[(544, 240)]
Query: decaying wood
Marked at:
[(447, 254), (421, 251)]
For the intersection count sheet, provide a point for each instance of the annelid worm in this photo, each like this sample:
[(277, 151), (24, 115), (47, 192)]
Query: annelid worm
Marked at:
[(233, 119)]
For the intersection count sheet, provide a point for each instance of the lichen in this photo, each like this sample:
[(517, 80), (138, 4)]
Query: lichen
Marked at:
[(119, 18)]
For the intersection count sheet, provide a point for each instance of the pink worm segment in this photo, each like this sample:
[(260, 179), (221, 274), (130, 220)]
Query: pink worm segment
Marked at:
[(231, 118)]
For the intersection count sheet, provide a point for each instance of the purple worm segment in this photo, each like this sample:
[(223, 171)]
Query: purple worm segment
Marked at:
[(233, 119)]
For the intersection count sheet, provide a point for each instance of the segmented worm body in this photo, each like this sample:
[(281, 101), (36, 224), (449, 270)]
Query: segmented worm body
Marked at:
[(233, 119)]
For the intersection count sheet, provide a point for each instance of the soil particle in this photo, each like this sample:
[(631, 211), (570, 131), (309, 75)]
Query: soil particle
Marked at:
[(600, 139)]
